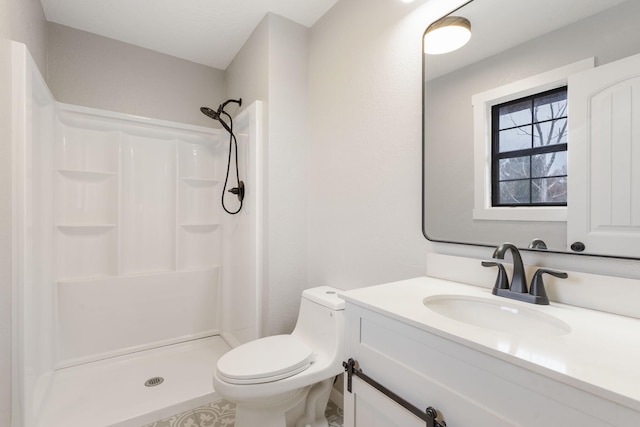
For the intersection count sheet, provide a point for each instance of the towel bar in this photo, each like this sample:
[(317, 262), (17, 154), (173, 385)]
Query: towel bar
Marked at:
[(429, 415)]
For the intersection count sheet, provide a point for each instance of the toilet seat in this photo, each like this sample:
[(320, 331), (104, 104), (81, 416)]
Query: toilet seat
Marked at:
[(265, 360)]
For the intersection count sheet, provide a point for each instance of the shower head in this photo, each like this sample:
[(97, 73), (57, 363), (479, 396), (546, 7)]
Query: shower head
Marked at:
[(215, 115)]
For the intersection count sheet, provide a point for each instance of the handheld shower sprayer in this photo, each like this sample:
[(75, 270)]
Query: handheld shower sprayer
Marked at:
[(233, 142)]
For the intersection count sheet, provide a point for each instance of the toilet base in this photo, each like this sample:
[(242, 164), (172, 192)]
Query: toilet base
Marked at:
[(300, 408), (316, 404)]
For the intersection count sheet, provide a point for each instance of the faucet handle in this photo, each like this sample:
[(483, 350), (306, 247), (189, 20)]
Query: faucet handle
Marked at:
[(502, 281), (537, 285)]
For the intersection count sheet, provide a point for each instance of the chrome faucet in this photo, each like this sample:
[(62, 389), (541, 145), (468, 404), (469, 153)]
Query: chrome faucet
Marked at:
[(518, 289)]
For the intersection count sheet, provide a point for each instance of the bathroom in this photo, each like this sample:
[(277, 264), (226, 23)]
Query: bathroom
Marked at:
[(344, 200)]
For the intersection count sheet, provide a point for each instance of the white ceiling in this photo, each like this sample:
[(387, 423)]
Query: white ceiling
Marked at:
[(208, 32)]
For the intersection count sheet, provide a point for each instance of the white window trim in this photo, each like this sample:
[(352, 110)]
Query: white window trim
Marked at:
[(482, 103)]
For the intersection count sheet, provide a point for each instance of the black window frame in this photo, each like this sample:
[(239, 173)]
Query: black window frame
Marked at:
[(496, 155)]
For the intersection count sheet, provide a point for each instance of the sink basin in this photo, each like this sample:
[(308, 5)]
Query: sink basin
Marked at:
[(496, 315)]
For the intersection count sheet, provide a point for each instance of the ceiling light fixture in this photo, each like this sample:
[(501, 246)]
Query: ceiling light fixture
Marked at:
[(446, 35)]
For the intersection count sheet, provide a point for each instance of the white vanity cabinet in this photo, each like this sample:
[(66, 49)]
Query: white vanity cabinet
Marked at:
[(470, 388)]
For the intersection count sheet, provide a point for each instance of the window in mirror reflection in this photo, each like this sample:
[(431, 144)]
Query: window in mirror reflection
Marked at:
[(529, 150)]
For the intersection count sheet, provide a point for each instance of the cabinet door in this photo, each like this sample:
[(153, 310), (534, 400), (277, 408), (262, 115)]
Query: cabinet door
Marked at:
[(365, 406), (604, 158)]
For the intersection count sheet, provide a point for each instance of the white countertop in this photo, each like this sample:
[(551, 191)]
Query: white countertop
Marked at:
[(600, 355)]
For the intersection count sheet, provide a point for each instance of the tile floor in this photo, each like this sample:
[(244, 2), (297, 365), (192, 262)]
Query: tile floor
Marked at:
[(222, 414)]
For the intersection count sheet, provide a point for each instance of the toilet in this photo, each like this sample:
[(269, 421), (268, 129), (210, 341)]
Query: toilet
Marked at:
[(285, 380)]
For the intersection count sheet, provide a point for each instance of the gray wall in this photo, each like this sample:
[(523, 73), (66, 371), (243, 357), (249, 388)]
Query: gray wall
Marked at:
[(95, 71), (25, 23), (365, 144), (247, 76), (287, 171), (272, 67)]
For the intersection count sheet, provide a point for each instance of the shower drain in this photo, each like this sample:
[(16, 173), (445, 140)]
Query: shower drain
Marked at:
[(152, 382)]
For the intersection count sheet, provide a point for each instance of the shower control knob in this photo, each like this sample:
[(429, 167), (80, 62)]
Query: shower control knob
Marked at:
[(238, 191)]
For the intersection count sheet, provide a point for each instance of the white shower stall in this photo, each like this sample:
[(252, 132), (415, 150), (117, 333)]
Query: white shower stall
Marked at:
[(125, 266)]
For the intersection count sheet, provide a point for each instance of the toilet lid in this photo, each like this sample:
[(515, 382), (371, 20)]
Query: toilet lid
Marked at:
[(264, 360)]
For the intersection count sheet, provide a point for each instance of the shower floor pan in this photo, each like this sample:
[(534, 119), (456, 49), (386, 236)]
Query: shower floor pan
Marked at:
[(112, 392)]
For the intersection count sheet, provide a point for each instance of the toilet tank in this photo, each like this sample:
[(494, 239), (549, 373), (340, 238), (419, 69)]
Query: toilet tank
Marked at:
[(326, 296), (321, 321)]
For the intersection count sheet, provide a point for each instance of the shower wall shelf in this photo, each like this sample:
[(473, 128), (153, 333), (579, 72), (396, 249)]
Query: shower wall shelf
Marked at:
[(86, 174), (73, 226), (134, 198)]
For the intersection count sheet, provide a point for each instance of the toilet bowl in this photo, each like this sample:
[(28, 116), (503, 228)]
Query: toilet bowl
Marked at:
[(285, 380)]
